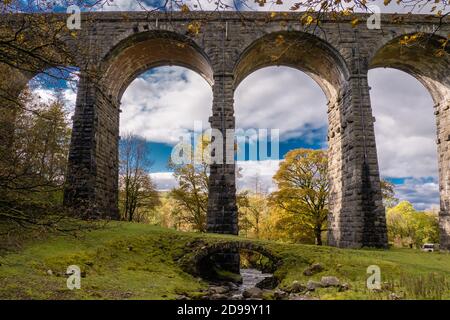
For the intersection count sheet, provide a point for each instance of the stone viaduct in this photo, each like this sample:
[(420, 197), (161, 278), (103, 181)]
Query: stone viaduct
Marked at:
[(225, 47)]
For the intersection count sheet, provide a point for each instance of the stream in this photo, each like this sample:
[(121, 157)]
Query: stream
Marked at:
[(251, 277)]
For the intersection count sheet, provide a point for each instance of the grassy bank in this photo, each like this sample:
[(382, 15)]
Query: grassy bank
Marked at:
[(135, 261)]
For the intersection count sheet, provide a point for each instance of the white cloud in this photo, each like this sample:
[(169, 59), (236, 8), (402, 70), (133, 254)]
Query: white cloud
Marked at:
[(164, 180), (405, 128), (281, 98), (250, 172), (423, 193), (123, 5), (163, 105), (250, 5), (48, 95), (257, 173)]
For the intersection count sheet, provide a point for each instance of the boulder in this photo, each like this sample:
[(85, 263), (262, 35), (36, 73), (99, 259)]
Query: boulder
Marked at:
[(268, 283), (279, 294), (218, 289), (296, 287), (252, 293), (301, 297), (313, 285), (330, 282), (313, 269), (344, 287), (218, 296), (394, 296)]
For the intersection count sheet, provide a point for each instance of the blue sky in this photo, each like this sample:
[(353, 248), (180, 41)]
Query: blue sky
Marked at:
[(162, 104)]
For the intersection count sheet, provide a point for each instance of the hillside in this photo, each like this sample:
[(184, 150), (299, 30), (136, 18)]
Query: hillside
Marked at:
[(122, 260)]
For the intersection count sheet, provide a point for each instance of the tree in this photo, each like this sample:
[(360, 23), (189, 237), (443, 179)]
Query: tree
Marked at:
[(32, 172), (253, 212), (37, 157), (191, 195), (388, 194), (409, 227), (285, 226), (303, 188), (138, 192)]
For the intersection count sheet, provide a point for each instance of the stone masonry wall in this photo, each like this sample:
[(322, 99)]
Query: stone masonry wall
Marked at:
[(336, 55)]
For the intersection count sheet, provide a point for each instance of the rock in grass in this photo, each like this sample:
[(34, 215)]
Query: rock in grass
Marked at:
[(296, 287), (252, 293), (218, 289), (301, 297), (218, 296), (394, 296), (49, 272), (344, 287), (313, 285), (313, 269), (279, 294), (330, 282)]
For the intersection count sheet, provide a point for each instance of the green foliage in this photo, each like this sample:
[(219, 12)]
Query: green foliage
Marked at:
[(33, 161), (191, 196), (253, 214), (34, 165), (303, 189), (388, 193), (138, 196), (123, 260), (409, 227)]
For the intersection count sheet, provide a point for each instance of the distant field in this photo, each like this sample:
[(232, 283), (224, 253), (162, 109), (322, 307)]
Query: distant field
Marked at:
[(135, 261)]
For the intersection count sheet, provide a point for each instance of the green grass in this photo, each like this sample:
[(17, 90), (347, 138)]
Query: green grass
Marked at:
[(136, 261)]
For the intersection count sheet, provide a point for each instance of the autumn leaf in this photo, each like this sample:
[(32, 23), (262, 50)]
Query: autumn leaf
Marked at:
[(185, 8), (279, 40), (194, 28)]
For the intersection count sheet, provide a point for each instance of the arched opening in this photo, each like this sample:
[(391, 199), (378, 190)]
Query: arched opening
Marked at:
[(289, 101), (143, 51), (158, 108), (321, 62), (299, 50), (36, 124), (405, 127), (150, 59)]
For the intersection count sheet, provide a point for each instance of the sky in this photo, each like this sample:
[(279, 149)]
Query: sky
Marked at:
[(162, 104)]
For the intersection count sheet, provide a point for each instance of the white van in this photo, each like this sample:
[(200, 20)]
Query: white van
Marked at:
[(430, 247)]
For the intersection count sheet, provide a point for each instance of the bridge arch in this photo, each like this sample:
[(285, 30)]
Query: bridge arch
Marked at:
[(299, 50), (94, 165), (426, 59), (140, 52), (420, 58)]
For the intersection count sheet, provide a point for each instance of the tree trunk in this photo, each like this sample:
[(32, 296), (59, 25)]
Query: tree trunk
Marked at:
[(318, 234)]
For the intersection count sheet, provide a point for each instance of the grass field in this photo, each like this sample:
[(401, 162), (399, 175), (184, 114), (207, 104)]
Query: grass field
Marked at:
[(123, 260)]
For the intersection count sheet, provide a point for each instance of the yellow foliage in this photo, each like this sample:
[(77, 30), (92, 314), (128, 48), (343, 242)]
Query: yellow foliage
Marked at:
[(194, 28)]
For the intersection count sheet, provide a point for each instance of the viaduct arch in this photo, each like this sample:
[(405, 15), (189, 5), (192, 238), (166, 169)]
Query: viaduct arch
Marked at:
[(227, 48)]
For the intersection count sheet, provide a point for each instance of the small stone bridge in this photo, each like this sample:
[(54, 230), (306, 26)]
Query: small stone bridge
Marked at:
[(226, 254)]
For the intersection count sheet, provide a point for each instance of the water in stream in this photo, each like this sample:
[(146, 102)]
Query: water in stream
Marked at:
[(251, 277)]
